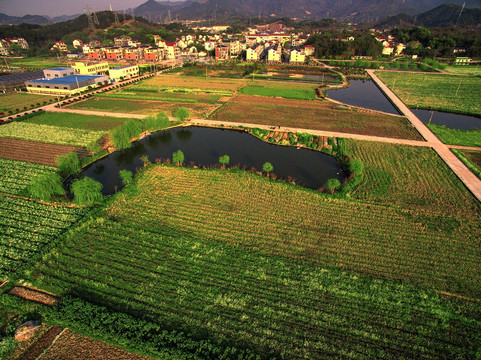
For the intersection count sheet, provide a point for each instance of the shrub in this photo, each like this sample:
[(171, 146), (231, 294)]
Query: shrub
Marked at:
[(157, 122), (120, 138), (267, 167), (356, 166), (68, 164), (86, 191), (126, 176), (45, 187), (333, 185), (181, 113), (133, 128), (178, 157), (224, 160)]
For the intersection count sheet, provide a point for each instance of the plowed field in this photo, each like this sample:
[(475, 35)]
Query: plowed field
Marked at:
[(315, 115), (36, 152)]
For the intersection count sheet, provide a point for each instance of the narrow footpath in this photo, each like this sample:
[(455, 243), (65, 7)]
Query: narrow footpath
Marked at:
[(471, 181)]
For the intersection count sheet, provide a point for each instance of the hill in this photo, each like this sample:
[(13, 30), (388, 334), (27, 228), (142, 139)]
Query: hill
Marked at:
[(29, 19), (444, 15)]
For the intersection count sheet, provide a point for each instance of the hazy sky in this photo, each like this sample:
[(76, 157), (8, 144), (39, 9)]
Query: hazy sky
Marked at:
[(61, 7)]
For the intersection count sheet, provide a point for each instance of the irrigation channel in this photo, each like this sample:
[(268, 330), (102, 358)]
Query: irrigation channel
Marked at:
[(203, 147), (365, 93)]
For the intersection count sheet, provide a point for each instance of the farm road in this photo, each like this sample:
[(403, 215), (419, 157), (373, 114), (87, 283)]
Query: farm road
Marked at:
[(470, 180), (96, 113)]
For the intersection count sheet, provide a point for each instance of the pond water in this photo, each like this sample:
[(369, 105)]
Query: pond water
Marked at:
[(204, 146), (291, 76), (450, 120), (363, 93)]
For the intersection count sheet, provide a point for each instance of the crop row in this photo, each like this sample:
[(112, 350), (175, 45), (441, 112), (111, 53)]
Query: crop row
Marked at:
[(247, 297), (26, 227), (15, 176)]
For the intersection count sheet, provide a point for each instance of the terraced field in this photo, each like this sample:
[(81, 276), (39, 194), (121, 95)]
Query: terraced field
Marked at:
[(234, 259), (315, 115)]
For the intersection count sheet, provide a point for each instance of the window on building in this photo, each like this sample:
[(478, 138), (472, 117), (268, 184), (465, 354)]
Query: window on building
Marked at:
[(65, 88), (39, 86), (48, 87), (56, 75)]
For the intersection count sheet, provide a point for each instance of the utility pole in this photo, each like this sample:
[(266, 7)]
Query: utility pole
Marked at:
[(89, 18)]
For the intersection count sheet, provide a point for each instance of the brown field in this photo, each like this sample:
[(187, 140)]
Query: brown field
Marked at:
[(45, 341), (71, 346), (195, 82), (315, 115), (34, 295), (36, 152), (474, 156), (143, 107)]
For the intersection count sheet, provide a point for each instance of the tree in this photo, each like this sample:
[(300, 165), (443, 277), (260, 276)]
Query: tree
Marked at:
[(68, 164), (333, 185), (267, 167), (126, 176), (181, 113), (120, 138), (178, 157), (45, 187), (224, 160), (87, 191), (356, 166)]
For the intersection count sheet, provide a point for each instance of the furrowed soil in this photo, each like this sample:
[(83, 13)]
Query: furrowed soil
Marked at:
[(71, 346), (36, 152), (34, 295), (42, 344), (315, 115)]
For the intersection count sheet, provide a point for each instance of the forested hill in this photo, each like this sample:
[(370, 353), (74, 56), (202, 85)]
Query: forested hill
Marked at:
[(444, 15)]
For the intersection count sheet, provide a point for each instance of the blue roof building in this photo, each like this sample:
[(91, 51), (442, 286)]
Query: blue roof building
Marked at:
[(65, 85)]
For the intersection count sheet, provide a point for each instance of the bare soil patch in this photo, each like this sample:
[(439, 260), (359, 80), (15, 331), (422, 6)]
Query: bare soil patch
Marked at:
[(42, 343), (71, 346), (315, 115), (34, 295), (36, 152)]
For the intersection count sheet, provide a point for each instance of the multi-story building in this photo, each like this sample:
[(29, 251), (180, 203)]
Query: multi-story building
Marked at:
[(171, 51), (114, 53), (153, 54), (124, 73), (19, 41), (4, 47), (254, 53), (77, 43), (297, 56), (58, 72), (91, 68), (209, 45), (122, 41), (309, 50), (134, 53), (222, 52), (274, 54), (59, 46)]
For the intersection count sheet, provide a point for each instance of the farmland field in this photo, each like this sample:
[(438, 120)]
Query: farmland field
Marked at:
[(472, 159), (456, 137), (76, 121), (315, 115), (27, 227), (464, 69), (16, 176), (288, 90), (34, 63), (13, 101), (50, 134), (36, 152), (236, 259), (71, 346), (194, 82), (142, 107), (450, 93)]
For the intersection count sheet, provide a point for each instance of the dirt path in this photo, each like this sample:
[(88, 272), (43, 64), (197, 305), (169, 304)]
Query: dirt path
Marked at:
[(52, 108), (470, 180)]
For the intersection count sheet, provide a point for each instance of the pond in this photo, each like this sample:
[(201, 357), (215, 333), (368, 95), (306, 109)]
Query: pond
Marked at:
[(450, 120), (363, 93), (203, 147)]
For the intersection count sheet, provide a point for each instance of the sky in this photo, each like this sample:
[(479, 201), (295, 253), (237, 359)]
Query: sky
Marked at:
[(53, 8)]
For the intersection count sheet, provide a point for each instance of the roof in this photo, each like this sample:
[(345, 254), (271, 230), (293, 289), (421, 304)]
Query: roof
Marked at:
[(124, 67), (59, 68), (71, 79)]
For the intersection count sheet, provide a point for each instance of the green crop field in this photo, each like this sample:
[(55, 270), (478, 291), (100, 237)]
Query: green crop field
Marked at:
[(451, 93), (33, 63), (464, 69), (315, 115), (455, 136), (142, 107), (27, 227), (14, 101), (288, 90), (472, 159), (237, 260), (16, 176), (76, 121), (163, 95), (50, 134)]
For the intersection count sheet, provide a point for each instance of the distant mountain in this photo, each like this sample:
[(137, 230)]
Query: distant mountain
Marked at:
[(345, 10), (443, 15), (159, 10), (27, 19), (64, 18)]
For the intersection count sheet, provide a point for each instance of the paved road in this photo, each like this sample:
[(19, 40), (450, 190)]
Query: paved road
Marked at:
[(471, 181)]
